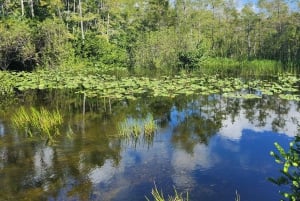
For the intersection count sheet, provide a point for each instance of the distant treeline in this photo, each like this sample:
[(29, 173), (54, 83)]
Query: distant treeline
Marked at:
[(147, 35)]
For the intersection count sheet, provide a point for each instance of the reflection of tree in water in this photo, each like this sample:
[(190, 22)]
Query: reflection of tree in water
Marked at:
[(31, 168), (232, 108), (71, 160), (202, 119), (281, 108), (203, 116), (258, 110)]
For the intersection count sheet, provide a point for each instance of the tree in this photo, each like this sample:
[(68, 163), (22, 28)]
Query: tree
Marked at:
[(52, 44)]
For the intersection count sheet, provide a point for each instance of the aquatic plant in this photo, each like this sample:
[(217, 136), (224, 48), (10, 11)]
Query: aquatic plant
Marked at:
[(33, 121), (132, 127), (137, 128), (237, 196), (158, 196), (150, 125), (124, 129), (290, 172), (229, 66), (94, 83)]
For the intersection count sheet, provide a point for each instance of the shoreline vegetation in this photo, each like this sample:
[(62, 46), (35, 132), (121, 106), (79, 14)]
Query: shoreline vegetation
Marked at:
[(152, 37)]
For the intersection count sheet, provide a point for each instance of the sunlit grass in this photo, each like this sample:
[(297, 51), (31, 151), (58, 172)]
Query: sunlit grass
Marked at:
[(229, 66), (158, 196), (149, 125), (132, 127), (33, 121)]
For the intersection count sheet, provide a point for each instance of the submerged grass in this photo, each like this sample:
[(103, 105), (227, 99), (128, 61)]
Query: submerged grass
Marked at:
[(42, 122)]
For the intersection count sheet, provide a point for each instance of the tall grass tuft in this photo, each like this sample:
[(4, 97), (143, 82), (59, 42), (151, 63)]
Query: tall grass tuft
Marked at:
[(42, 122), (158, 196), (132, 127), (149, 125)]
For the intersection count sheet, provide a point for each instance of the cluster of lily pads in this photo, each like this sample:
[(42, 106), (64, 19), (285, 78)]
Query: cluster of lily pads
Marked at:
[(96, 84)]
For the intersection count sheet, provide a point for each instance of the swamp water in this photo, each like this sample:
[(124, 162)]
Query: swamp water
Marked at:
[(208, 146)]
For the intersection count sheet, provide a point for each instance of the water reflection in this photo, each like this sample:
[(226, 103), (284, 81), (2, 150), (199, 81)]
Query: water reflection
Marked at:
[(210, 146), (1, 129)]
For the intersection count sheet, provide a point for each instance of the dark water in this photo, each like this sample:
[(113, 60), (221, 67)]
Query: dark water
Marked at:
[(208, 146)]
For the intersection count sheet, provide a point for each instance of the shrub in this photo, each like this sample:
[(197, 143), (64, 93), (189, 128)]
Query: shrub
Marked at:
[(290, 172)]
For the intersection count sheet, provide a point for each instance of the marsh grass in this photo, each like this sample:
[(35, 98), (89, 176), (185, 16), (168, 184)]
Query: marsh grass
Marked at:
[(228, 66), (150, 125), (132, 127), (42, 122), (158, 196)]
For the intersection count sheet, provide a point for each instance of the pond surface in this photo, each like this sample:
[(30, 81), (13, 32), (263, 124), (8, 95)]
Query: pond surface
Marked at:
[(208, 146)]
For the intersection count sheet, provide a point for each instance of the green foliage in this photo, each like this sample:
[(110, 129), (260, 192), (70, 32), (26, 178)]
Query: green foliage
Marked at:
[(52, 44), (99, 50), (96, 83), (132, 127), (150, 37), (189, 60), (156, 52), (228, 66), (290, 172), (158, 196), (41, 122), (17, 51), (150, 125)]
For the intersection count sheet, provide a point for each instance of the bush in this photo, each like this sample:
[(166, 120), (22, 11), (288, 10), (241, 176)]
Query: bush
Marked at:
[(17, 50), (53, 44), (290, 172), (99, 50)]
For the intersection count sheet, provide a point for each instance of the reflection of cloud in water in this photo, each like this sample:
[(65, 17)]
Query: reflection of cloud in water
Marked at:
[(43, 161), (233, 129), (103, 173), (138, 156), (184, 163), (2, 130)]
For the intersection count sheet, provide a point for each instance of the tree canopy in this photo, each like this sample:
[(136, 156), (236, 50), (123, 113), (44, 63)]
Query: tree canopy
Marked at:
[(143, 35)]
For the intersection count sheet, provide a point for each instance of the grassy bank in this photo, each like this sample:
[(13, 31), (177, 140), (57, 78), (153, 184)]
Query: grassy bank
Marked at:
[(227, 66)]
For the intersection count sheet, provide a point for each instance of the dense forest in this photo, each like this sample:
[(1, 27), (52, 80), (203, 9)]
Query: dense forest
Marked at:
[(146, 35)]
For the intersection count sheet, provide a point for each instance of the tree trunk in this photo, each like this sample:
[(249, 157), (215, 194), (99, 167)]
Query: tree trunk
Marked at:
[(22, 7), (31, 8), (107, 29), (81, 20)]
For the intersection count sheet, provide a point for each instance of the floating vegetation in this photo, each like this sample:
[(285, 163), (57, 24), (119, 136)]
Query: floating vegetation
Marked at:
[(158, 196), (239, 95), (41, 122), (290, 97), (95, 84), (132, 127)]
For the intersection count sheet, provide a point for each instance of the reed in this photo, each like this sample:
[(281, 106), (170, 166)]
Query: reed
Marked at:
[(124, 128), (149, 125), (135, 127), (229, 66), (158, 196), (42, 122)]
